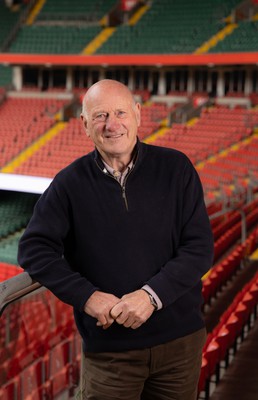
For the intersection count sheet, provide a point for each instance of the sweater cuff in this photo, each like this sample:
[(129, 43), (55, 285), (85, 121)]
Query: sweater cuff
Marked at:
[(148, 289)]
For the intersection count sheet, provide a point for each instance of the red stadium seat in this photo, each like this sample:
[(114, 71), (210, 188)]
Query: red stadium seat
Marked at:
[(11, 390)]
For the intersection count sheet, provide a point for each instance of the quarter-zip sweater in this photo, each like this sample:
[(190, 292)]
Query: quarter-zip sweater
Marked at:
[(87, 234)]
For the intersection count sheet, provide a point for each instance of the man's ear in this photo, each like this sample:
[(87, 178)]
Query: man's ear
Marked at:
[(85, 125), (138, 113)]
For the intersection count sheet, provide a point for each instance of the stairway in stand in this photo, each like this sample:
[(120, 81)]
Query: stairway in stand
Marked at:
[(239, 381)]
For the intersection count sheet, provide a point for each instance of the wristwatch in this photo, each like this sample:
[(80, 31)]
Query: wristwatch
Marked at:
[(152, 300)]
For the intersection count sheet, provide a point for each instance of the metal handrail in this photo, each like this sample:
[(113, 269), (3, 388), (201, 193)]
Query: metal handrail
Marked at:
[(16, 287)]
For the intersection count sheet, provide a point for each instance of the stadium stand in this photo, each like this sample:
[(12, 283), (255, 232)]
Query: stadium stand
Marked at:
[(244, 38), (170, 28), (209, 112), (33, 117), (9, 17), (53, 39), (15, 212), (78, 10), (5, 76)]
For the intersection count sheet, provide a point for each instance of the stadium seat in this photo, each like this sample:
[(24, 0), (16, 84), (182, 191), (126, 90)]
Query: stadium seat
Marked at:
[(11, 390)]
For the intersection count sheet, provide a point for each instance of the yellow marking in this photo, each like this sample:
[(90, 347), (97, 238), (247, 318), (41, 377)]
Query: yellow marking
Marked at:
[(255, 17), (161, 132), (254, 255), (164, 122), (213, 159), (35, 12), (138, 15), (29, 151), (224, 153), (200, 165), (228, 19), (235, 146), (192, 121), (98, 41), (205, 47), (206, 275), (104, 21)]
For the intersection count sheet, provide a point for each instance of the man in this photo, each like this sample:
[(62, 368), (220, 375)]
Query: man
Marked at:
[(122, 235)]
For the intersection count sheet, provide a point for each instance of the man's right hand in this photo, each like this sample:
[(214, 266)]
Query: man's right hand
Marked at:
[(99, 305)]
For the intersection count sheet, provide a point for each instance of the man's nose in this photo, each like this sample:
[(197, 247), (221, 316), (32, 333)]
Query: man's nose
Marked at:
[(112, 122)]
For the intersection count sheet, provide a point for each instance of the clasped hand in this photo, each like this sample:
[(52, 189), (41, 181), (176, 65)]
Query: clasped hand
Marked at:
[(131, 311)]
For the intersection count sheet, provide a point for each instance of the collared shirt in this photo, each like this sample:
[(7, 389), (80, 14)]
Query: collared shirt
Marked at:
[(118, 175)]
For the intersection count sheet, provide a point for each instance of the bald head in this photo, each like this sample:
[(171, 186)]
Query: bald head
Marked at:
[(103, 87)]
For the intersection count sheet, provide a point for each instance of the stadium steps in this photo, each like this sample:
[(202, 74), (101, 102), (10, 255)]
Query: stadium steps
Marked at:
[(240, 379), (228, 30), (35, 12), (30, 150), (152, 138), (98, 41), (192, 121), (231, 379), (138, 15)]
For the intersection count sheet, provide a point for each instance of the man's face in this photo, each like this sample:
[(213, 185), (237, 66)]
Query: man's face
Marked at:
[(112, 120)]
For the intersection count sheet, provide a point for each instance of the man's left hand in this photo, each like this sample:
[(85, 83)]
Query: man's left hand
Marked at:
[(133, 309)]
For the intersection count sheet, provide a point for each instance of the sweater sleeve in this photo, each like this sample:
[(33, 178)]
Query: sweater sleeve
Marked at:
[(194, 252), (41, 249)]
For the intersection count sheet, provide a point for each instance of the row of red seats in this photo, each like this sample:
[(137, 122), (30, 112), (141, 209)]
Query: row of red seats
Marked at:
[(223, 270), (207, 137), (233, 234), (239, 167), (8, 271), (43, 354), (228, 219), (32, 118), (225, 335), (47, 376)]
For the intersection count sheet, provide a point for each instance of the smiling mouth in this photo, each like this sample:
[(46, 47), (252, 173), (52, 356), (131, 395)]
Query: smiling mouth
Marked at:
[(116, 136)]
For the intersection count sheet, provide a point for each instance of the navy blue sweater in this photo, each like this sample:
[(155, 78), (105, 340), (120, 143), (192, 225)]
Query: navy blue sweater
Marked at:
[(86, 235)]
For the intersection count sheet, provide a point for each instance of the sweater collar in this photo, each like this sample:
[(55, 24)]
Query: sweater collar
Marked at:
[(137, 152)]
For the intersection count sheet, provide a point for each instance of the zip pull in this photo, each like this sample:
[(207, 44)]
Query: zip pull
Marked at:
[(124, 197)]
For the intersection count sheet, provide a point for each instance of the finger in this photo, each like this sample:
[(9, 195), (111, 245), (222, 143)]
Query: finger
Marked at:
[(102, 320), (136, 325), (106, 326), (121, 319), (105, 321), (128, 323), (116, 311), (109, 322)]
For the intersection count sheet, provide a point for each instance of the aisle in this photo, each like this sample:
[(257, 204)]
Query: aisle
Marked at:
[(240, 381)]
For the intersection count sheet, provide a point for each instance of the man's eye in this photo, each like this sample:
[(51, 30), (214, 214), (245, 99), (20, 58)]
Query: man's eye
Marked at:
[(100, 117), (121, 114)]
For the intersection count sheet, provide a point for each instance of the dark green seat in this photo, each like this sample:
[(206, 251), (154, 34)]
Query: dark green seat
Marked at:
[(243, 38), (171, 27)]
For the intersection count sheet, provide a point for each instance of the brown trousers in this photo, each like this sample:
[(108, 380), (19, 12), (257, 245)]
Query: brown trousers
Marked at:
[(168, 371)]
